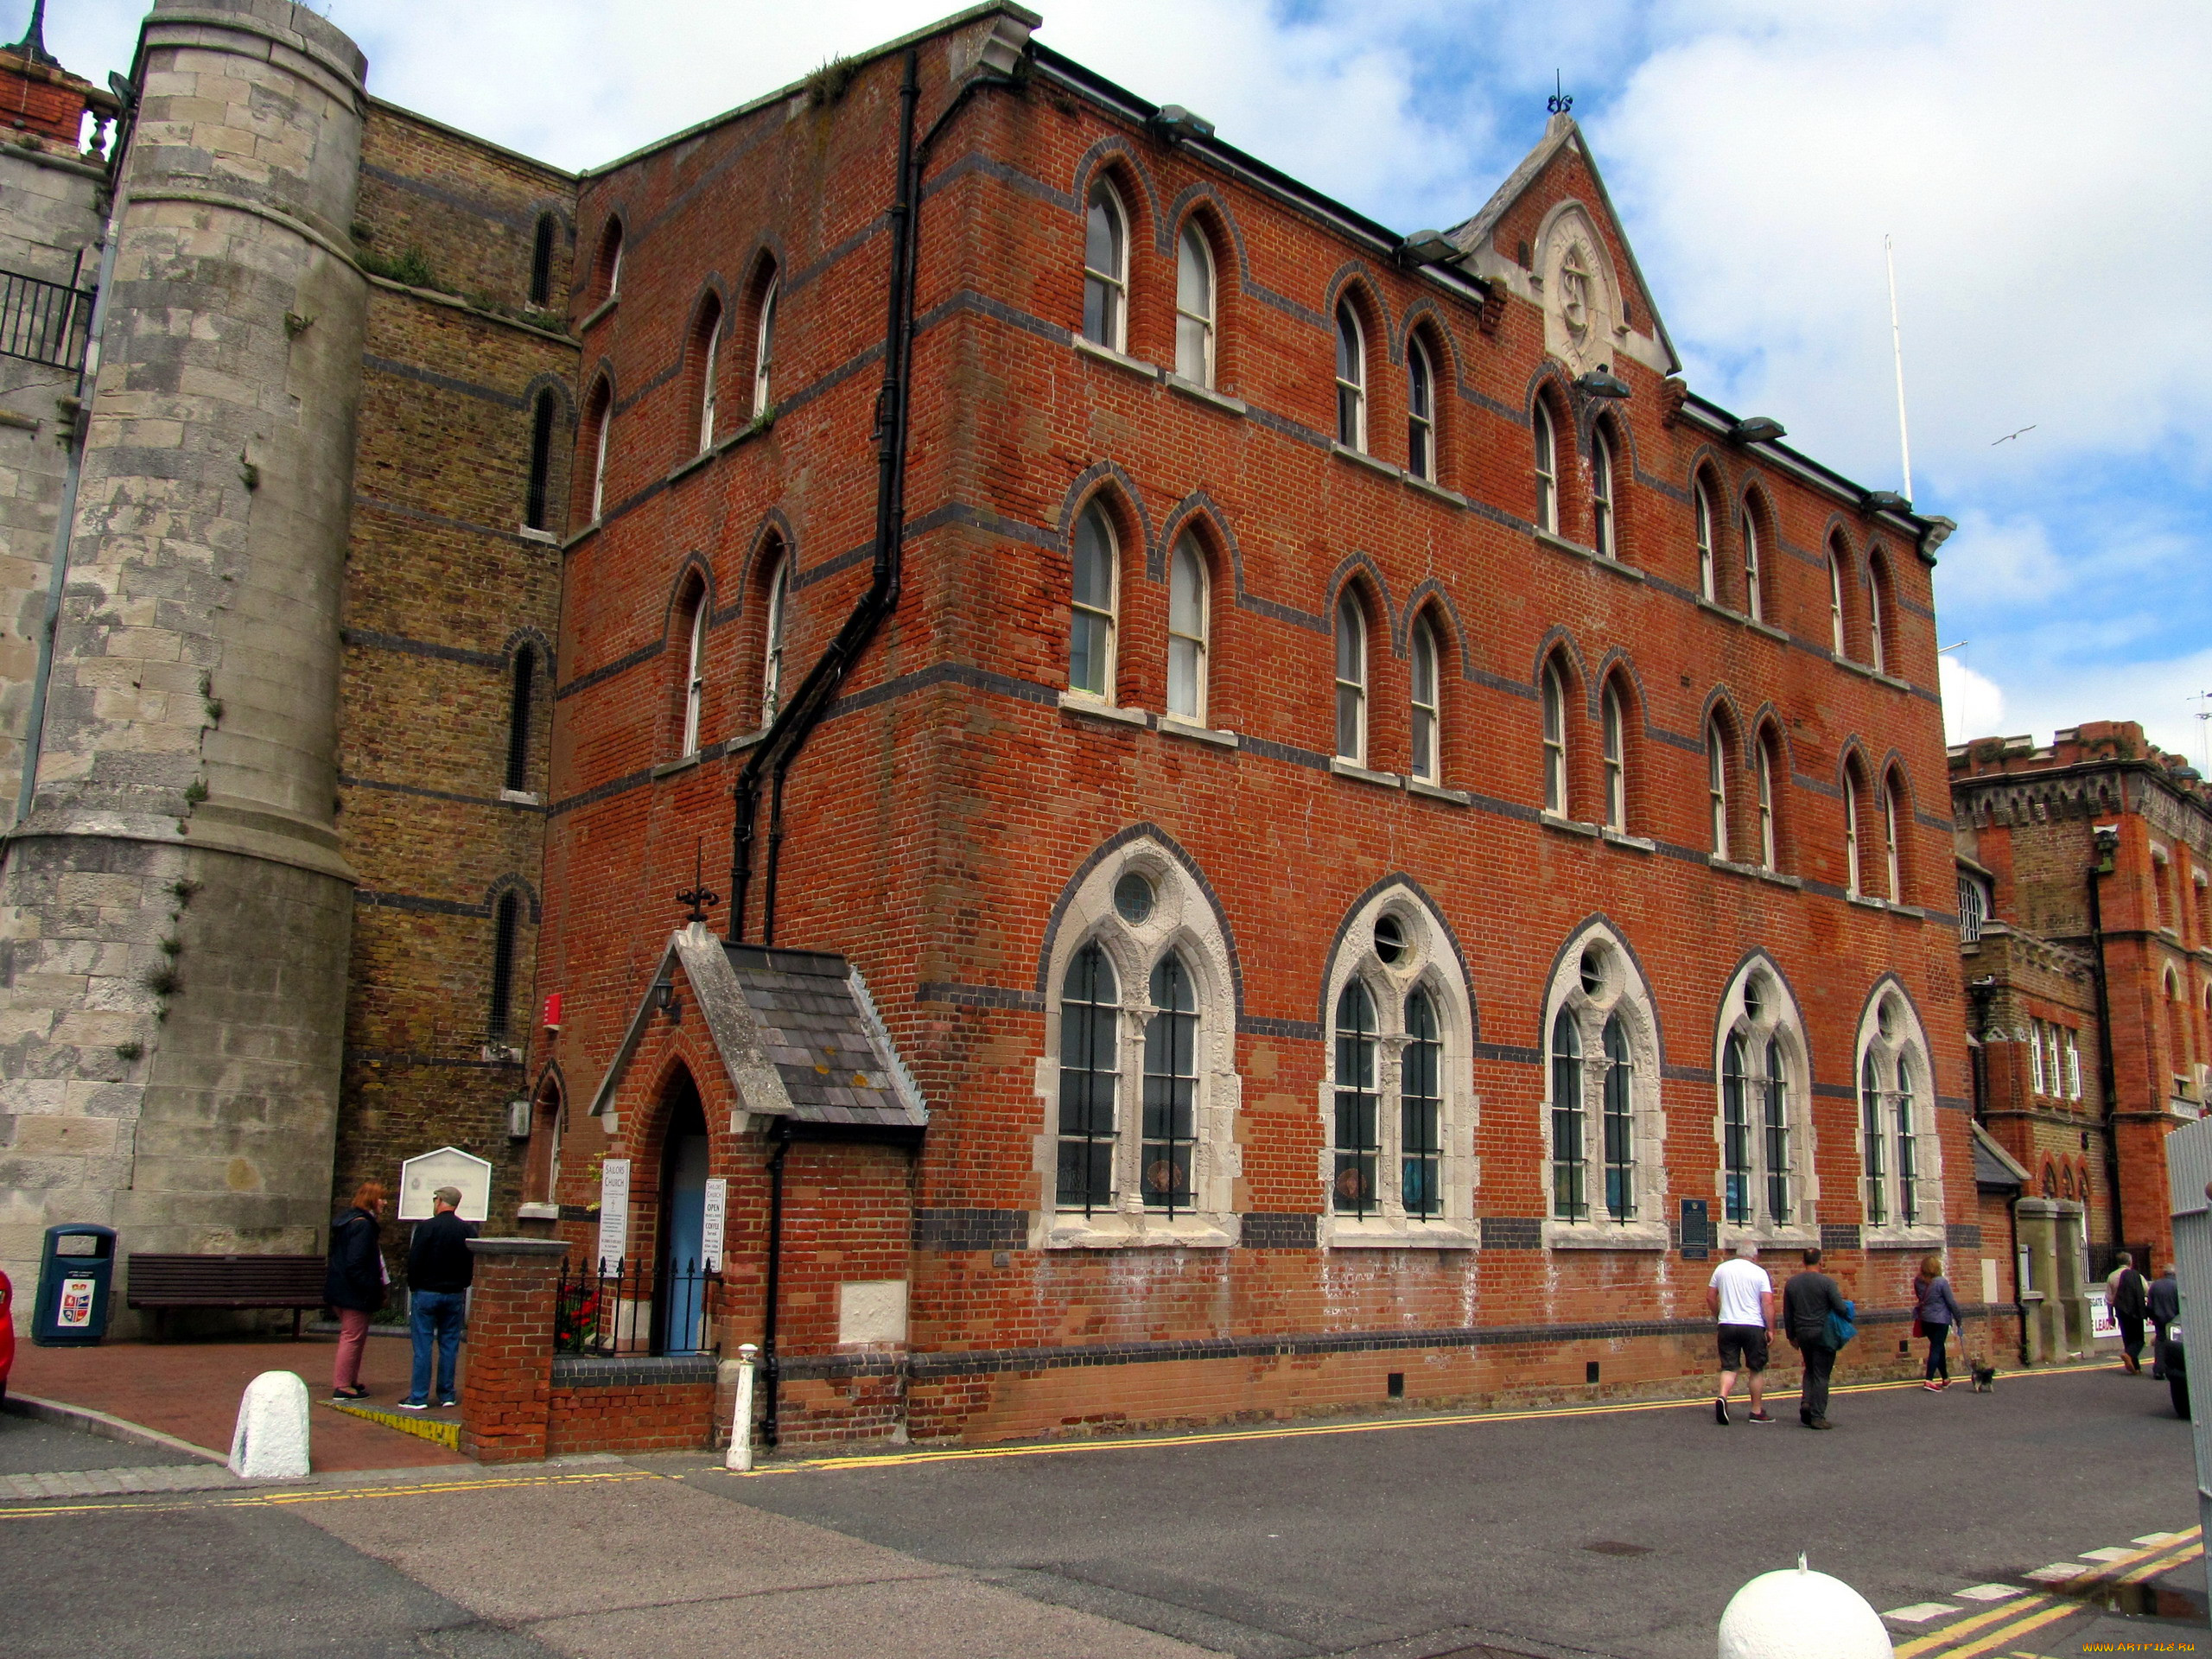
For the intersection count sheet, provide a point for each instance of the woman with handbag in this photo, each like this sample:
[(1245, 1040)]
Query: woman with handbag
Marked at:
[(1936, 1314), (353, 1285)]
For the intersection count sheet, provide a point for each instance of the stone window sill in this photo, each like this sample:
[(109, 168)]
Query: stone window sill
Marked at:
[(1606, 1235), (1118, 1232), (1910, 912), (1720, 610), (669, 768), (1078, 703), (1559, 543), (1430, 486), (1634, 843), (530, 533), (1779, 880), (1750, 872), (1397, 1233), (1344, 768), (1172, 726), (1365, 460), (521, 798), (738, 745), (1220, 400), (1865, 901), (604, 307), (583, 535), (1122, 360), (1567, 826), (1917, 1238), (752, 428), (1785, 1238), (1851, 667), (691, 466), (537, 1212), (1438, 792), (1768, 629), (1892, 682)]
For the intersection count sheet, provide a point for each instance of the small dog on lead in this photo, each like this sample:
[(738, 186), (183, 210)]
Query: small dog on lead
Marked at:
[(1985, 1379)]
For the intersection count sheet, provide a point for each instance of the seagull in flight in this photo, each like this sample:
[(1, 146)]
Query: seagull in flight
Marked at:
[(2009, 436)]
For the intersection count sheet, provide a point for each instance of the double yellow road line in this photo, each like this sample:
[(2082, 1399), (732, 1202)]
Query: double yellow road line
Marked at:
[(274, 1499), (1982, 1633)]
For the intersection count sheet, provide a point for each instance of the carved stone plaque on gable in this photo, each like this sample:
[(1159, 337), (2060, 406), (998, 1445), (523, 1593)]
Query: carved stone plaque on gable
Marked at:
[(1581, 307)]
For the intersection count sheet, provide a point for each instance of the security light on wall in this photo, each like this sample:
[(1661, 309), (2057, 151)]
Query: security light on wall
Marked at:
[(1432, 246), (1885, 501), (1760, 428), (1175, 122), (1601, 382)]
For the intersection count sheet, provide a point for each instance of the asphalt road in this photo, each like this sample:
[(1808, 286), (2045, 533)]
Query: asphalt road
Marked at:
[(29, 1447), (1623, 1535)]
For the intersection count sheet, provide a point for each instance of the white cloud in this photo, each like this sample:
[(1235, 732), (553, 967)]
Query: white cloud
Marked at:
[(2161, 696), (1974, 705)]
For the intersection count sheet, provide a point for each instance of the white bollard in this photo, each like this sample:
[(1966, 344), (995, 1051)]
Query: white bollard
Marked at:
[(270, 1442), (1799, 1614), (739, 1458)]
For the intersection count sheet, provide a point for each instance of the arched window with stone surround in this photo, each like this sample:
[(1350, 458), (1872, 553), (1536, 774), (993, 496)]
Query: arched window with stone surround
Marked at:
[(1607, 1135), (1142, 1094), (1900, 1156), (1765, 1107), (1397, 1104)]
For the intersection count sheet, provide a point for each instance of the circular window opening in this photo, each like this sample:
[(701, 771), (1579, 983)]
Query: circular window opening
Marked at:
[(1593, 970), (1133, 897), (1755, 999), (1389, 938)]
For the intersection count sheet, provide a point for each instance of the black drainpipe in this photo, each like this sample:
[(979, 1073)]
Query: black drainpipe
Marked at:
[(768, 1424), (796, 720), (2107, 839)]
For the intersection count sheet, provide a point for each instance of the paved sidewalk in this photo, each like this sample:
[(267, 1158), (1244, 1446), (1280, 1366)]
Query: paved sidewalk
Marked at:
[(191, 1390)]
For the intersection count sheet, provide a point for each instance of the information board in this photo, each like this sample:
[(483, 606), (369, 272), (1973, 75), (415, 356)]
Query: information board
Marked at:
[(614, 1212), (421, 1176), (717, 1218)]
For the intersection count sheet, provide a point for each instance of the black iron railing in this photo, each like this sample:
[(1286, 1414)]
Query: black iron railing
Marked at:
[(44, 323), (627, 1307)]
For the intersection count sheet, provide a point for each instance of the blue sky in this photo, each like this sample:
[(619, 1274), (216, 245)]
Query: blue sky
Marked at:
[(2043, 168)]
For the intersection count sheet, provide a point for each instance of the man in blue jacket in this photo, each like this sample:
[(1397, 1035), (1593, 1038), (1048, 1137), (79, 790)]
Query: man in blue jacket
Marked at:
[(1806, 1301), (439, 1268)]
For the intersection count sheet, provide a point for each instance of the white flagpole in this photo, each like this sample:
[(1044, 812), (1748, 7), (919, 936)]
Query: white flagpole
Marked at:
[(1897, 347)]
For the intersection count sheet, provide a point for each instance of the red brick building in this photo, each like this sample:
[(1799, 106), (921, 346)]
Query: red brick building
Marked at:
[(1361, 832), (2094, 857)]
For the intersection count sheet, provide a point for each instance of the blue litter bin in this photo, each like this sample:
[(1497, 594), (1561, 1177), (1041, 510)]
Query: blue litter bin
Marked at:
[(76, 1281)]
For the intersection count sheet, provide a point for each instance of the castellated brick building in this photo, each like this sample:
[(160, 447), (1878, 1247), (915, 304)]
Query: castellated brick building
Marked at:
[(2085, 894), (1293, 820)]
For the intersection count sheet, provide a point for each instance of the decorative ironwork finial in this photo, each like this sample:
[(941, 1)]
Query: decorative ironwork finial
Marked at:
[(32, 47), (697, 895), (1559, 102)]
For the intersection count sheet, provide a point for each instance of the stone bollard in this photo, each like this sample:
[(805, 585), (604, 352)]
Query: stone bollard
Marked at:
[(740, 1455), (1799, 1614), (270, 1442)]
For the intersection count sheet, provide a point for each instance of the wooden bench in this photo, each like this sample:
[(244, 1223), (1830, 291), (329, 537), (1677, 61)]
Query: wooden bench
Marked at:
[(165, 1281)]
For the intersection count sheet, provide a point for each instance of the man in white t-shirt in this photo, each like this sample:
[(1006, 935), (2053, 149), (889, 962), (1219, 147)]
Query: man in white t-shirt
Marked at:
[(1740, 1297)]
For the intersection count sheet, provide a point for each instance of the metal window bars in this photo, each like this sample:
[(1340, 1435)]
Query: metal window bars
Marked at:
[(626, 1307), (44, 323)]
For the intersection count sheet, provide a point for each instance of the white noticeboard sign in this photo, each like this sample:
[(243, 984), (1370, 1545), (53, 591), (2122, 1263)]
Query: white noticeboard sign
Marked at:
[(716, 1222), (614, 1211), (2102, 1321), (420, 1176)]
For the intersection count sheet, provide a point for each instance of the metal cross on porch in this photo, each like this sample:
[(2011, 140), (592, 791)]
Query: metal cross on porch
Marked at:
[(698, 896)]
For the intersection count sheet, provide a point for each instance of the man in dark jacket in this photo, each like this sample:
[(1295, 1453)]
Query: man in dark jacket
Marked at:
[(2163, 1302), (1806, 1301), (439, 1268), (2127, 1306)]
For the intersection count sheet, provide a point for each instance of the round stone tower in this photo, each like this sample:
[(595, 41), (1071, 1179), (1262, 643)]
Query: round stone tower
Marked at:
[(174, 909)]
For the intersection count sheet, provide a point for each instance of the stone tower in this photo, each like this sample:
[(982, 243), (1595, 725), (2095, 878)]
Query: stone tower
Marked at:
[(174, 908)]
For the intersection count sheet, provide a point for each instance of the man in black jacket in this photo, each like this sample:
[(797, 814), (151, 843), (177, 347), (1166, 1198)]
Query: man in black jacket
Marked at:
[(2127, 1306), (1806, 1301), (439, 1268), (2163, 1302)]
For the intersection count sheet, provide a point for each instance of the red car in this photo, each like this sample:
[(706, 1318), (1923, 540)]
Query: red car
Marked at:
[(7, 1331)]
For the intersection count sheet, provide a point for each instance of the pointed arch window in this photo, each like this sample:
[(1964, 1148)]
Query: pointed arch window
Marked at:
[(1877, 650), (764, 348), (1351, 378), (1570, 1200), (1907, 1148), (1554, 707), (1737, 1191), (1357, 1100), (1602, 527), (1194, 306), (1352, 679), (1835, 602), (694, 673), (541, 260), (1421, 410), (1171, 1088), (1707, 577), (1090, 1013), (772, 644), (709, 348), (1765, 760), (1754, 599), (602, 424), (1619, 1128), (1091, 627), (610, 260), (1427, 730), (535, 498), (1716, 785), (525, 674), (1421, 1103), (1187, 616), (1105, 268), (1616, 748), (505, 921), (1850, 872), (1775, 1127), (1893, 847), (1762, 1100), (1873, 1142), (1546, 443)]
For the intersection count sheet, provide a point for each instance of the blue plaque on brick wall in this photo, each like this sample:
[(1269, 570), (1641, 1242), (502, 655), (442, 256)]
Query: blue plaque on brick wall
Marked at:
[(1697, 1229)]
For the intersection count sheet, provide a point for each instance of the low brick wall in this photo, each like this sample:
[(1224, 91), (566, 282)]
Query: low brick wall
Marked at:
[(631, 1404)]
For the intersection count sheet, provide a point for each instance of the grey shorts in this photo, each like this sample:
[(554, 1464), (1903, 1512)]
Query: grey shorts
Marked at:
[(1742, 1348)]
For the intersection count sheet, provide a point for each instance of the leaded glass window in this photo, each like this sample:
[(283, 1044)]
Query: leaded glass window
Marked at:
[(1735, 1132), (1090, 1007), (1171, 1087), (1620, 1141), (1570, 1200), (1357, 1101), (1873, 1136), (1420, 1107), (1777, 1125)]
